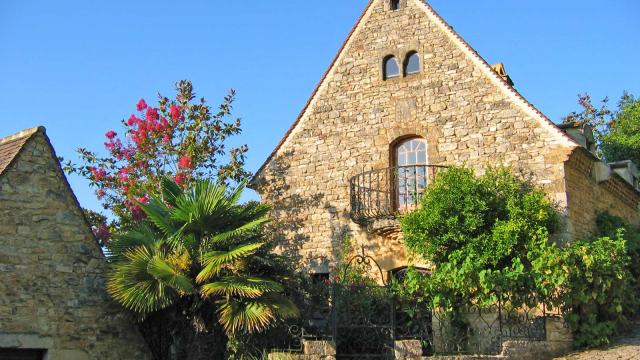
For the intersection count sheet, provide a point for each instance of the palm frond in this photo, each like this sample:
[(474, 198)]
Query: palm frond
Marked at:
[(130, 284), (205, 199), (254, 315), (159, 214), (248, 287), (249, 316), (168, 275), (215, 261), (283, 307), (141, 235), (170, 191), (235, 195), (239, 231)]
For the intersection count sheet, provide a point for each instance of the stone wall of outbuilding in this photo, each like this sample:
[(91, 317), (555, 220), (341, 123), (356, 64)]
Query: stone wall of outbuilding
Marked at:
[(52, 271)]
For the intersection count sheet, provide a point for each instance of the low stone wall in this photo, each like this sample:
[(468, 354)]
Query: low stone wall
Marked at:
[(312, 350), (558, 342)]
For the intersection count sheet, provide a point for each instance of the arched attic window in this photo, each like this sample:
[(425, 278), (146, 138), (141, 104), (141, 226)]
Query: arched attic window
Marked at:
[(412, 63), (394, 5), (391, 68)]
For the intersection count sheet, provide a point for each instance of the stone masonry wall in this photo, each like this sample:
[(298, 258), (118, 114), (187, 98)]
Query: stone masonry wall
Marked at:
[(356, 116), (587, 197), (52, 286)]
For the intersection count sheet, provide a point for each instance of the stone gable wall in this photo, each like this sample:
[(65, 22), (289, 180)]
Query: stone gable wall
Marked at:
[(466, 117), (463, 115), (52, 286)]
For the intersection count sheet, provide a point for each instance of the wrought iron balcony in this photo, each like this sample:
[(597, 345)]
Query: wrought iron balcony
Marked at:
[(386, 193)]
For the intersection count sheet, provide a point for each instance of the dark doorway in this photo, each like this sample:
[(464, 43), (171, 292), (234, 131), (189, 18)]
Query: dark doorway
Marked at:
[(21, 354)]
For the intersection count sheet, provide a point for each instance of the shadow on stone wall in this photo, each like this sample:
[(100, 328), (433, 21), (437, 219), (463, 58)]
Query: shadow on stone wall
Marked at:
[(289, 209)]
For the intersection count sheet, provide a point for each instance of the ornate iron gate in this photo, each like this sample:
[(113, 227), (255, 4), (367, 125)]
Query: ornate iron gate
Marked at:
[(365, 319)]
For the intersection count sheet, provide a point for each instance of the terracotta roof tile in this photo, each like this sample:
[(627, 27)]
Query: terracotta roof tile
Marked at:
[(10, 146)]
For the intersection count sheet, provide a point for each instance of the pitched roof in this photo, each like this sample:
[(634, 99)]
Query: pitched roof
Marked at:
[(512, 93), (10, 146)]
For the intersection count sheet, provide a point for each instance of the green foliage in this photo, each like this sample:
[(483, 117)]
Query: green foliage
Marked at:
[(348, 271), (201, 247), (488, 238), (622, 139), (598, 288), (617, 131), (485, 235)]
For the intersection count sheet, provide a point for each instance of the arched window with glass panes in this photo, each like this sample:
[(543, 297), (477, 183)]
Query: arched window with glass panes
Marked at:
[(410, 172), (412, 63), (391, 68)]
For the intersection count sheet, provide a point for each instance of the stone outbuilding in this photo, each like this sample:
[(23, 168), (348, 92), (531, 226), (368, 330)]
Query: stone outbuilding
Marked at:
[(405, 97), (53, 303)]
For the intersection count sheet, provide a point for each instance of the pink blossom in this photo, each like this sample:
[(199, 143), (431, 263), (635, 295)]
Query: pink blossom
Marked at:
[(180, 179), (143, 199), (98, 174), (100, 193), (111, 134), (176, 114), (164, 122), (152, 113), (109, 144), (141, 105), (184, 162), (102, 233), (129, 153), (137, 213), (132, 120), (166, 138)]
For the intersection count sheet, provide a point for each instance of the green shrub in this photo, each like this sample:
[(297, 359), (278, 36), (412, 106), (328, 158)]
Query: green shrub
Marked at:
[(485, 235), (598, 288), (603, 289)]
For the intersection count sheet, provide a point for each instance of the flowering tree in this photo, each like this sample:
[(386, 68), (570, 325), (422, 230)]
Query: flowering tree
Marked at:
[(181, 138)]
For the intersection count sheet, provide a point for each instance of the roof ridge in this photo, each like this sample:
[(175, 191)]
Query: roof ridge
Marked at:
[(12, 145), (22, 134)]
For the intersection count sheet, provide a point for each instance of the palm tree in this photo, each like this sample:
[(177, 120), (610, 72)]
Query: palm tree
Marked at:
[(199, 244)]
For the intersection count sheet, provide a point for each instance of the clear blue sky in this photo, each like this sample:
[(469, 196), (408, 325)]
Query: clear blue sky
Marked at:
[(78, 67)]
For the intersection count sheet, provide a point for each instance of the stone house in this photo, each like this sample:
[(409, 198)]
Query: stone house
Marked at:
[(405, 96), (53, 303)]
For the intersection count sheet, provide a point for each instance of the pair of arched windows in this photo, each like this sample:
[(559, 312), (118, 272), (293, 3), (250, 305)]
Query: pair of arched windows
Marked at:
[(391, 67)]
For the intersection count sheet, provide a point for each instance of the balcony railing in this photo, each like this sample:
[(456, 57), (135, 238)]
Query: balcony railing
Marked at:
[(386, 193)]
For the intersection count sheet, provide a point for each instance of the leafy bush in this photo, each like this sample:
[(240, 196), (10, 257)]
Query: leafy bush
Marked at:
[(598, 288), (488, 237), (484, 235), (603, 286)]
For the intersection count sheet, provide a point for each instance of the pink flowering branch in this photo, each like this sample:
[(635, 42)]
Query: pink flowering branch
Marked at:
[(181, 138)]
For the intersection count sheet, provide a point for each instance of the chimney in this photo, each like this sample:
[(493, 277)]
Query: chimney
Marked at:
[(499, 68)]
